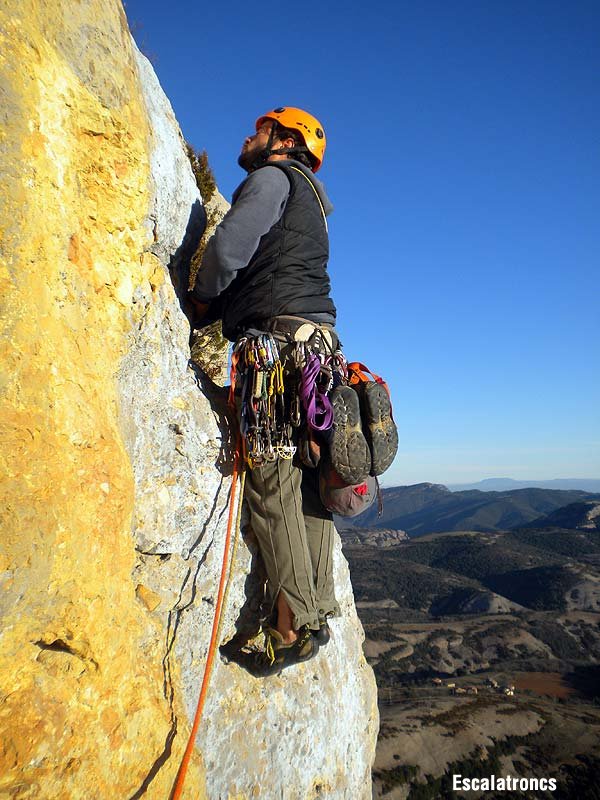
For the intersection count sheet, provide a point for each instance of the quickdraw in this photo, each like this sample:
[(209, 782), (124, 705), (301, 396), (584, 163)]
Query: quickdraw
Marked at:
[(264, 423)]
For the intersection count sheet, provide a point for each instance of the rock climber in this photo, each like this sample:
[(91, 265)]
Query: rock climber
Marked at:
[(264, 271)]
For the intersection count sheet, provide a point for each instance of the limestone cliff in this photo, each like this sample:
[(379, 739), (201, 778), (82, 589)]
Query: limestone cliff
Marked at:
[(114, 460)]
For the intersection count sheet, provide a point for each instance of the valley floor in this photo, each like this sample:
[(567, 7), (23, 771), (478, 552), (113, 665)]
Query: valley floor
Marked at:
[(505, 694)]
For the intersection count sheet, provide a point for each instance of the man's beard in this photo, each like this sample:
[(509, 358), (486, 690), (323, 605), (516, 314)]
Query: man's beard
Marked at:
[(245, 161), (250, 159)]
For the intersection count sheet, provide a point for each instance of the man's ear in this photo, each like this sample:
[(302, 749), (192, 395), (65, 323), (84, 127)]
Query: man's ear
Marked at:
[(287, 143)]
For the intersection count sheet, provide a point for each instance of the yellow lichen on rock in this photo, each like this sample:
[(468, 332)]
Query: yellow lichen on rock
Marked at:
[(81, 715)]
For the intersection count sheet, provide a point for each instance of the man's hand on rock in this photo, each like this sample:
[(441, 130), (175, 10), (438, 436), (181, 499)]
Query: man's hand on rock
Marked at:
[(199, 309)]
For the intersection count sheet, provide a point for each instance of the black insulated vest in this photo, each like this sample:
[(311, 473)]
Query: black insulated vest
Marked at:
[(288, 272)]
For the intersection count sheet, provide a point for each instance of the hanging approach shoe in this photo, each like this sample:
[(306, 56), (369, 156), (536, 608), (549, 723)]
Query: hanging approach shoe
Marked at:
[(379, 427), (278, 655), (349, 451)]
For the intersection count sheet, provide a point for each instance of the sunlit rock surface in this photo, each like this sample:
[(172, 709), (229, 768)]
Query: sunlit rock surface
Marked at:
[(116, 461)]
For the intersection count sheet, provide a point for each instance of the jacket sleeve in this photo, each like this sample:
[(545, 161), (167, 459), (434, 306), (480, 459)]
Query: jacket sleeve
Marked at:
[(256, 209)]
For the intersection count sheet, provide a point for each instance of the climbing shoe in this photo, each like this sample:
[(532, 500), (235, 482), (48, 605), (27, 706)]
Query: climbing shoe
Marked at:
[(349, 451), (379, 427), (323, 635), (230, 650), (277, 655)]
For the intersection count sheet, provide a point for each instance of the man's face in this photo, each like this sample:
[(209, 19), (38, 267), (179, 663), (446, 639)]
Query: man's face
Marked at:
[(253, 145)]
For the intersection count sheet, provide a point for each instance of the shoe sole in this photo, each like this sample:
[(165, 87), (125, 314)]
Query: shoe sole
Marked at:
[(350, 454), (380, 428)]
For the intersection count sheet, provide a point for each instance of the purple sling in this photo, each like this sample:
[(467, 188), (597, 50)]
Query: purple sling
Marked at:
[(314, 398)]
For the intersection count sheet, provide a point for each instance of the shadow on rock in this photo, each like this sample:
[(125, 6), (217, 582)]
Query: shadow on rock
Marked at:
[(181, 261), (217, 397)]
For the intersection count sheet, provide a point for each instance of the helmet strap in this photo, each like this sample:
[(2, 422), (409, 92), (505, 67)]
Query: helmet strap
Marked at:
[(265, 154), (290, 150)]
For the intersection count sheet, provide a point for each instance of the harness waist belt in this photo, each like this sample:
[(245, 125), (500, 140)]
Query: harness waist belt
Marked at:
[(300, 329)]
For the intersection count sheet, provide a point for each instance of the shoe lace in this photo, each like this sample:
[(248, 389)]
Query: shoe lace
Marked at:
[(269, 653)]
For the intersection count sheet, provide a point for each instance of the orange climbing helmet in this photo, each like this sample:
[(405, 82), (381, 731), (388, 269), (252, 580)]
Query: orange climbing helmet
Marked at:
[(308, 126)]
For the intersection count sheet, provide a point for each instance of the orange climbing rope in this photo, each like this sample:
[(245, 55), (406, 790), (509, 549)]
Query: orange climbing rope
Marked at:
[(183, 767)]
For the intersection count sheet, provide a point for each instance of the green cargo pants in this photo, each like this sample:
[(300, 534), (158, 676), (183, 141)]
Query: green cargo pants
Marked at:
[(295, 532), (295, 535)]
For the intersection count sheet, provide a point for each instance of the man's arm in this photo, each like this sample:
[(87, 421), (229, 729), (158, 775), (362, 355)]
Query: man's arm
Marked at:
[(259, 206)]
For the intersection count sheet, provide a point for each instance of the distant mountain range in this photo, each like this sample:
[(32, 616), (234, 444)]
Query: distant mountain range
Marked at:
[(555, 566), (433, 508), (480, 573), (506, 484)]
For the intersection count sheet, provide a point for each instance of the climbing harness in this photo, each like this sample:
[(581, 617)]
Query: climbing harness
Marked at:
[(272, 405)]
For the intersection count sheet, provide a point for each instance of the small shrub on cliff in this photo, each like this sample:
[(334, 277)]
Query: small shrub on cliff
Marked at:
[(205, 180), (208, 348)]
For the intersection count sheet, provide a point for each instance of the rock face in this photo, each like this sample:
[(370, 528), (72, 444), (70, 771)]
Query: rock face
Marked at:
[(113, 507), (375, 537)]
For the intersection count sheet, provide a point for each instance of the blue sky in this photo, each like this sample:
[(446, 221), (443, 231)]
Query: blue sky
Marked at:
[(463, 162)]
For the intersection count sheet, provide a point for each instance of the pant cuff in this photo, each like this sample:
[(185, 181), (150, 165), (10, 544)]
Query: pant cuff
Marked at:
[(330, 609), (306, 619)]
